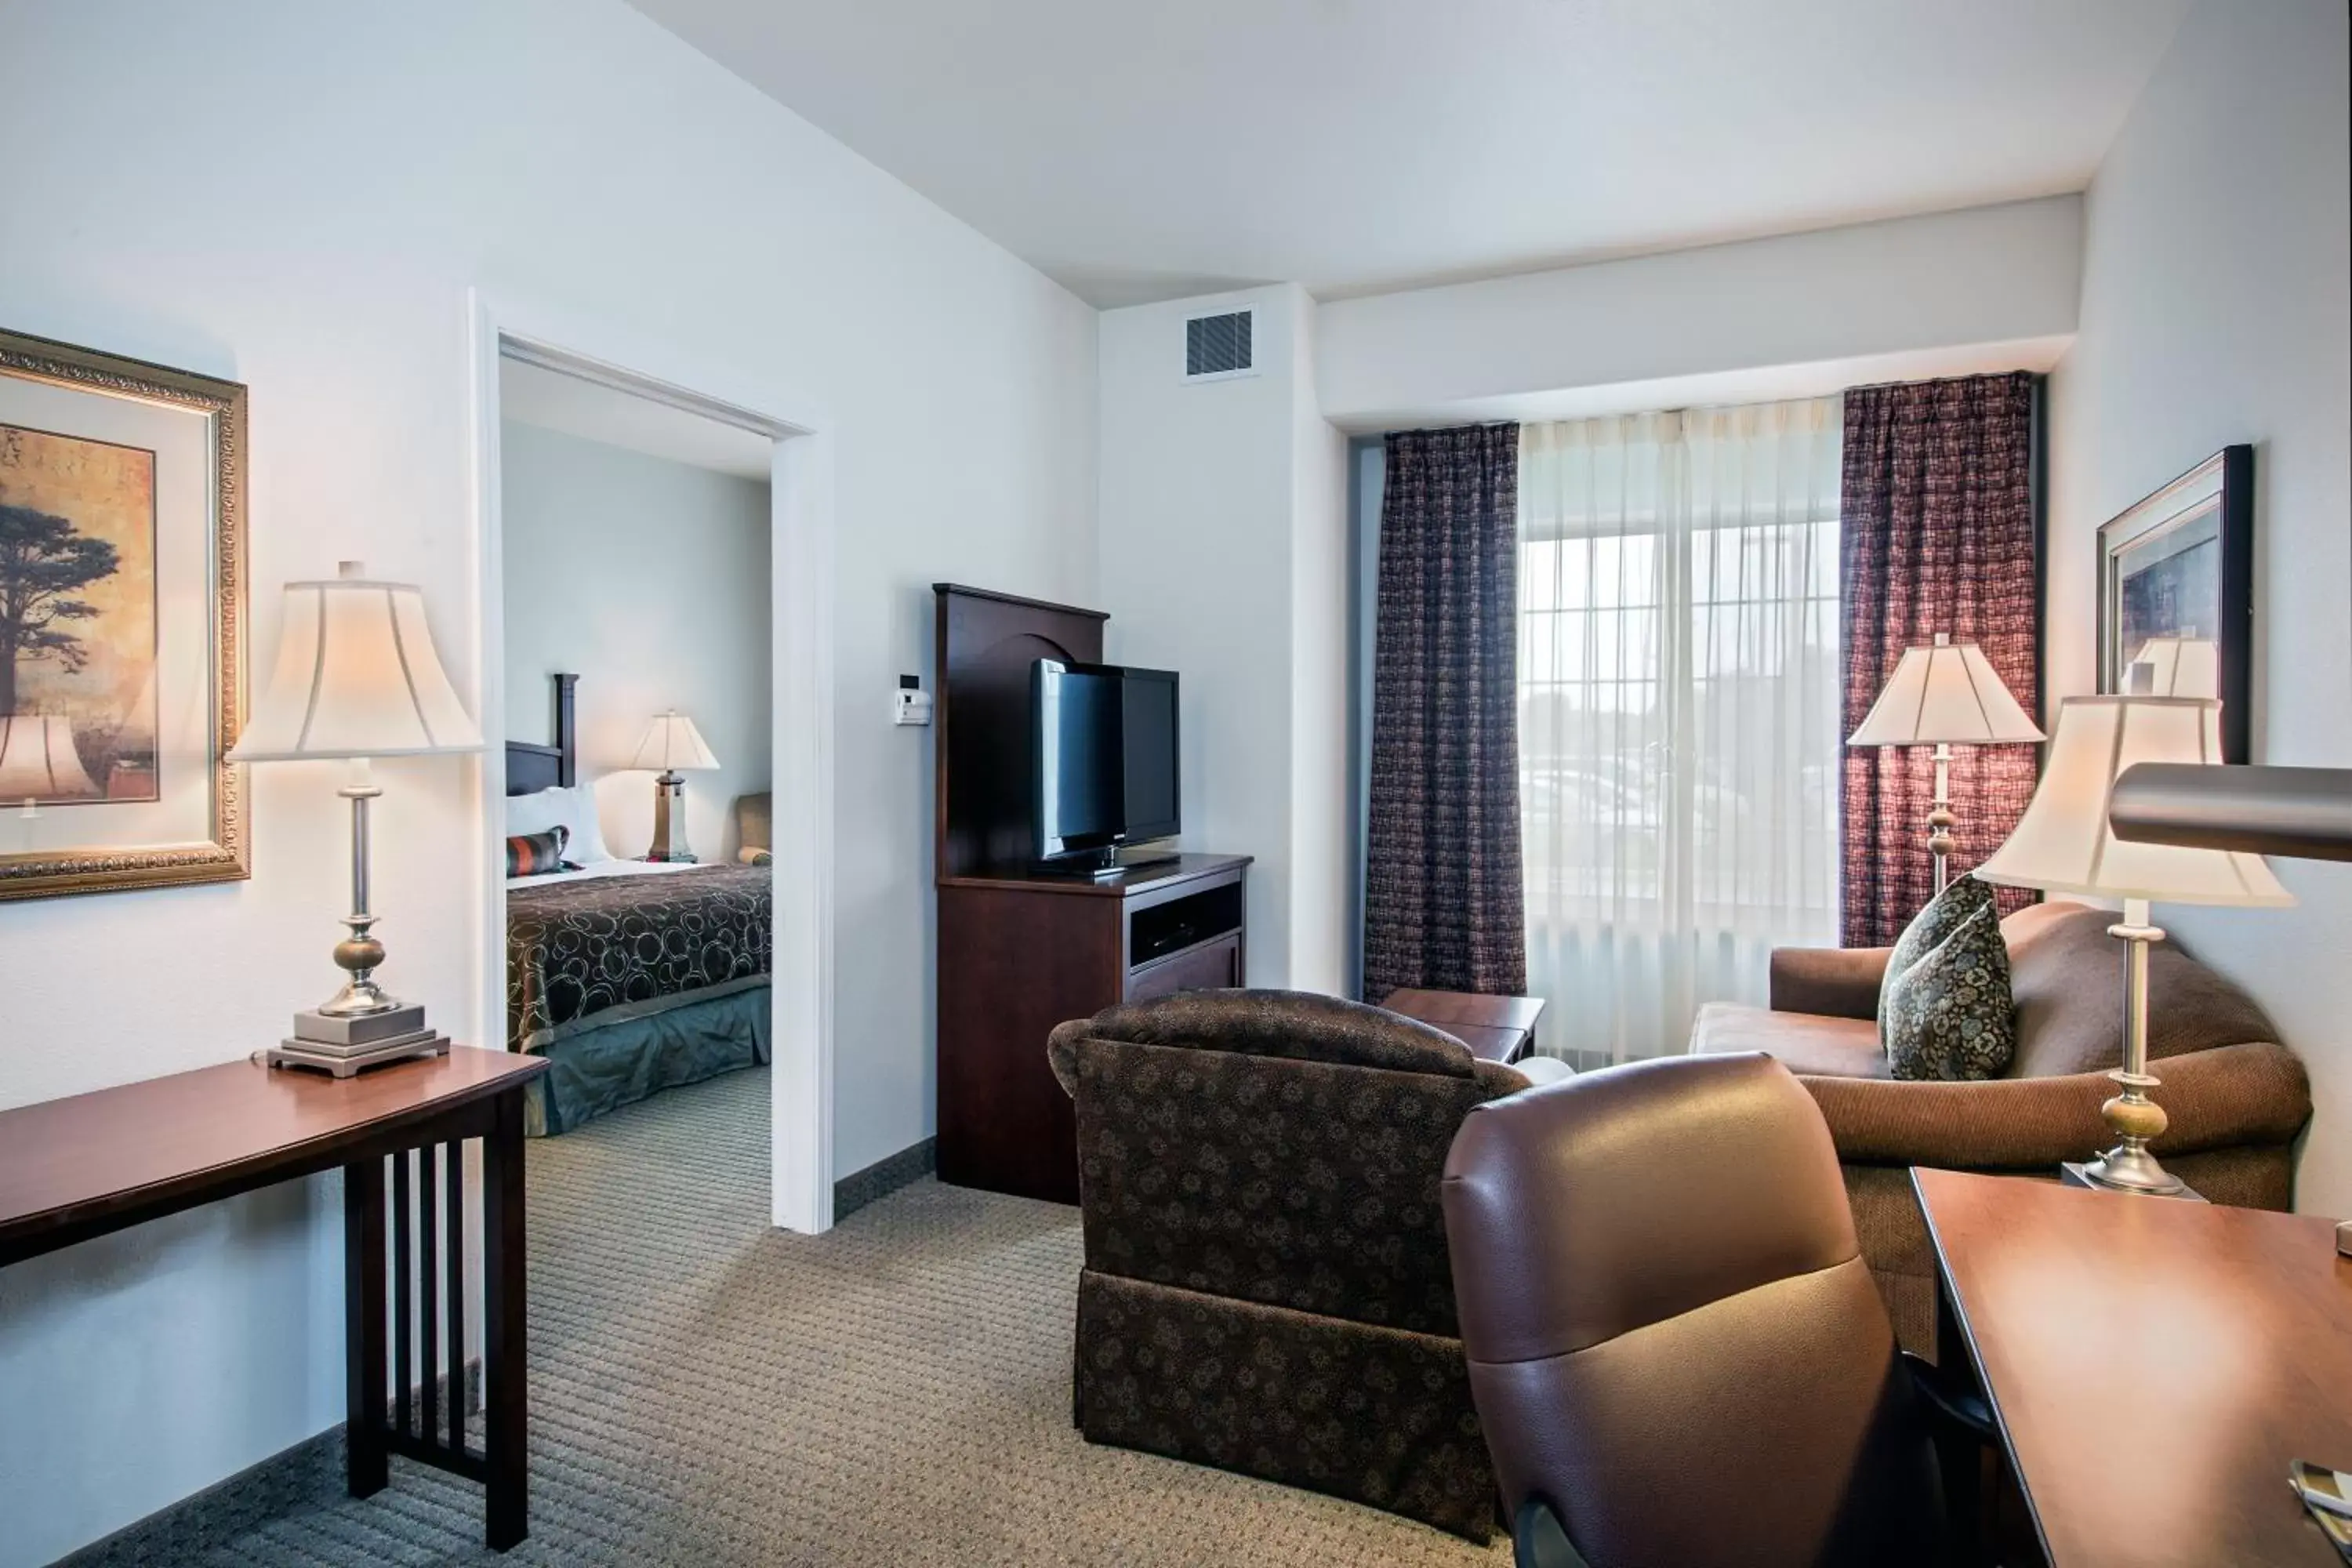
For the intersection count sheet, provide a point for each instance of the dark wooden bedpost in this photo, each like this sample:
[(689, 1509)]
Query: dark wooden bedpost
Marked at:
[(567, 733)]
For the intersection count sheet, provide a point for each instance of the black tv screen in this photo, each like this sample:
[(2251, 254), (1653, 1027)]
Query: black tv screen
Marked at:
[(1104, 756)]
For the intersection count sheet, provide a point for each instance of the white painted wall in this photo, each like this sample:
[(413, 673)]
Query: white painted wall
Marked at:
[(301, 201), (1723, 323), (1194, 535), (1322, 835), (649, 580), (1212, 530), (2217, 266)]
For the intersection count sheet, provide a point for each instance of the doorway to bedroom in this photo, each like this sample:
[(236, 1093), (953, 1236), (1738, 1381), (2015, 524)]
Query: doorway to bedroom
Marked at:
[(654, 580), (637, 560)]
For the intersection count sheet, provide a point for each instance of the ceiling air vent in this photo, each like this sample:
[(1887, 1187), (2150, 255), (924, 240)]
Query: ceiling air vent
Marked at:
[(1216, 347)]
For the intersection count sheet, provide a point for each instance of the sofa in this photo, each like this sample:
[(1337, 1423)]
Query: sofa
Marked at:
[(2236, 1097), (1266, 1287)]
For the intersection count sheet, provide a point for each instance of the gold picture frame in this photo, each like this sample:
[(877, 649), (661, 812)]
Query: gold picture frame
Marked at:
[(152, 686)]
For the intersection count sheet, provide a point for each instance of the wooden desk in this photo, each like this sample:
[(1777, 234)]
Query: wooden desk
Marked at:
[(76, 1168), (1495, 1028), (2153, 1365)]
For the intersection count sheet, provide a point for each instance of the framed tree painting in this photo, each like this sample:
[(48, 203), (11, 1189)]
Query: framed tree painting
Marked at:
[(121, 623), (2176, 591)]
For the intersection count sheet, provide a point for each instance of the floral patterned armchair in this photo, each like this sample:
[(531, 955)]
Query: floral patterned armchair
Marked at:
[(1267, 1285)]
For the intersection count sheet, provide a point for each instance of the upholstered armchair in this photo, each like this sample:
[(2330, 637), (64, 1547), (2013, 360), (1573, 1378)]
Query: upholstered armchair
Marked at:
[(1267, 1285)]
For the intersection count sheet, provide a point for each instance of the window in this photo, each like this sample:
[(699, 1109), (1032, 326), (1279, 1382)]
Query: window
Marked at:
[(1678, 712)]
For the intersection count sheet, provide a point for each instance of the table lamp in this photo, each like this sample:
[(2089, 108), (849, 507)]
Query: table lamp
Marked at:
[(356, 678), (1943, 696), (37, 760), (2185, 665), (672, 743), (2064, 844)]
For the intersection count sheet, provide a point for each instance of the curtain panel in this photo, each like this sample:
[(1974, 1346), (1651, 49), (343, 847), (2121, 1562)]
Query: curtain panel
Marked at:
[(1679, 704), (1443, 899), (1939, 536)]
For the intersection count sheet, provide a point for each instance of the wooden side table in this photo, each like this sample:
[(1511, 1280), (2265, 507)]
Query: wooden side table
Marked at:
[(1495, 1028), (80, 1167)]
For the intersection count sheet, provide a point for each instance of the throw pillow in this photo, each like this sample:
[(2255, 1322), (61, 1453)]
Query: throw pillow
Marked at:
[(1945, 913), (536, 854), (1945, 1010)]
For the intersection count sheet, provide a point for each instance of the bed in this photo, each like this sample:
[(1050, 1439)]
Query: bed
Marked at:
[(628, 977)]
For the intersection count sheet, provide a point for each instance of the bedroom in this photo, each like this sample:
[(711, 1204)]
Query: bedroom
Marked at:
[(638, 645)]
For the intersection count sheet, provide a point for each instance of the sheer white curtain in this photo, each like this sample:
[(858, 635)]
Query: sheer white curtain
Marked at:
[(1678, 712)]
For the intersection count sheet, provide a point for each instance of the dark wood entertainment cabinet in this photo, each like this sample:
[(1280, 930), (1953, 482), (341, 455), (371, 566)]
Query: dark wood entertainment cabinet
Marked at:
[(1018, 951), (1018, 956)]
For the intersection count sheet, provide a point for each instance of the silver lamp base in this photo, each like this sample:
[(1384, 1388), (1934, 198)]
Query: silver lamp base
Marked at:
[(669, 821), (343, 1044), (361, 1025), (2105, 1175), (344, 1063)]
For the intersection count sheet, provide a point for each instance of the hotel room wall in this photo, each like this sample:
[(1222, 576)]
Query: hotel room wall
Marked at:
[(1224, 557), (2217, 308), (649, 579), (1990, 287), (301, 196)]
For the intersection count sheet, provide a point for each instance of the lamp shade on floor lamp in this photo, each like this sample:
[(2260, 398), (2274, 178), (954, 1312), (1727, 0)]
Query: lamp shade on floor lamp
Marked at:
[(1944, 695)]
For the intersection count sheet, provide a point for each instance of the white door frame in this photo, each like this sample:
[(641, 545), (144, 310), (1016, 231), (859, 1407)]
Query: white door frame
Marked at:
[(801, 592)]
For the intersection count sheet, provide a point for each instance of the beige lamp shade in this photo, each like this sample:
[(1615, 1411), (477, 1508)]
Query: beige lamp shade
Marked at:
[(37, 760), (356, 677), (2063, 844), (2176, 666), (673, 744), (1945, 695)]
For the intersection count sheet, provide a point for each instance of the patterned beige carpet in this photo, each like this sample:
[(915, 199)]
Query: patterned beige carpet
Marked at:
[(707, 1390)]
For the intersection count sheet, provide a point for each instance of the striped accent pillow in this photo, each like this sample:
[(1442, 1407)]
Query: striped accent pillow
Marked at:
[(536, 854)]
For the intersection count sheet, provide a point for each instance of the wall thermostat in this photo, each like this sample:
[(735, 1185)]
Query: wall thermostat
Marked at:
[(910, 704)]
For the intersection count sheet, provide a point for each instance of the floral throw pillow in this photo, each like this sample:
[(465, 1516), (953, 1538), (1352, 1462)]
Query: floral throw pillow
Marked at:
[(1945, 1009)]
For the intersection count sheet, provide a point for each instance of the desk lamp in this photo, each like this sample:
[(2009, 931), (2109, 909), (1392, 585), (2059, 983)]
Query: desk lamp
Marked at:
[(2063, 843)]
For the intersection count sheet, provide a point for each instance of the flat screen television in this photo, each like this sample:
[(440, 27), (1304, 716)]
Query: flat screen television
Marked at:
[(1103, 761)]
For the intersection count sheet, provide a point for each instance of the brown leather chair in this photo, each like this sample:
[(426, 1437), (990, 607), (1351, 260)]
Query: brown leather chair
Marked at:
[(1675, 1349)]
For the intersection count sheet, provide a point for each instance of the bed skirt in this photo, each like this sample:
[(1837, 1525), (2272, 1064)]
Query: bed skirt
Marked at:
[(604, 1062)]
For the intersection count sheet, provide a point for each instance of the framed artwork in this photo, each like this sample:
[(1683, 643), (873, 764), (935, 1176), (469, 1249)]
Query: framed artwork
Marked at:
[(2177, 590), (121, 623)]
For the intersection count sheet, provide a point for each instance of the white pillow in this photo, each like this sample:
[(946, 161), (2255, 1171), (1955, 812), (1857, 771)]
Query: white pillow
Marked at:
[(587, 828), (573, 808)]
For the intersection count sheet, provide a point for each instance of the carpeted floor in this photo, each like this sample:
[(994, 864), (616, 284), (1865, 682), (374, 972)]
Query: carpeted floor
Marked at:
[(707, 1390)]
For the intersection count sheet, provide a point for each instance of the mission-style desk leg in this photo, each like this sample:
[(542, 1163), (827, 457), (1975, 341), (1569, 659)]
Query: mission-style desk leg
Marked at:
[(364, 1348), (426, 1268), (505, 1396)]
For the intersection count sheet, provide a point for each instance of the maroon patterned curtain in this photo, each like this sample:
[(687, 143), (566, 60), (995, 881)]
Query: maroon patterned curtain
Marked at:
[(1936, 519), (1444, 897)]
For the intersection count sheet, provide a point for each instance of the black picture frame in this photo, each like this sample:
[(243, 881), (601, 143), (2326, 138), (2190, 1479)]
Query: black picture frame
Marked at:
[(2181, 560)]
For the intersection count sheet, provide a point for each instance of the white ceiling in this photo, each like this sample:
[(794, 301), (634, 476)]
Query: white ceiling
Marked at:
[(1143, 151), (595, 412)]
